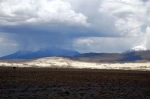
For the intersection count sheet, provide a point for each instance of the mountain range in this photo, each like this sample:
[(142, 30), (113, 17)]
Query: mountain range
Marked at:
[(135, 54), (139, 56), (44, 52)]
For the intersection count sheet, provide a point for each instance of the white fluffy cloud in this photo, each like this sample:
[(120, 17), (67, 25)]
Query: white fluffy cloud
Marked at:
[(39, 11), (128, 15), (146, 41), (106, 44), (92, 25), (126, 18)]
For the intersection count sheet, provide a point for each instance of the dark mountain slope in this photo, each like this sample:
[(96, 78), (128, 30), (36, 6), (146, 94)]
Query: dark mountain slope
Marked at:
[(17, 55), (114, 57), (44, 52)]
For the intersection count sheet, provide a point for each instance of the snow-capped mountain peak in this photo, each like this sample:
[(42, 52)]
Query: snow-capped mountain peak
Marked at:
[(139, 48), (136, 49)]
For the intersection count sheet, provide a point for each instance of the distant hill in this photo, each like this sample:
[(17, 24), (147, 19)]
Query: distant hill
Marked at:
[(114, 57), (44, 52), (130, 56)]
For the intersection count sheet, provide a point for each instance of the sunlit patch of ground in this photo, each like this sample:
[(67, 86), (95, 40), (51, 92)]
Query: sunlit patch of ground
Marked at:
[(59, 62)]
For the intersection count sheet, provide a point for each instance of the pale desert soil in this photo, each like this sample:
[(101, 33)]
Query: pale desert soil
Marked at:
[(47, 83), (60, 62)]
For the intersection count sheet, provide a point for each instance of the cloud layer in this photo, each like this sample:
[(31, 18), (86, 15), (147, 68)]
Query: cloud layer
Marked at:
[(50, 12), (83, 25)]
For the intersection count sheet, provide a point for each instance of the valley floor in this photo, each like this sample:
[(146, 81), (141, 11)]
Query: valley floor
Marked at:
[(48, 83)]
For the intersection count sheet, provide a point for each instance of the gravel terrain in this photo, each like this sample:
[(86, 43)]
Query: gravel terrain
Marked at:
[(48, 83)]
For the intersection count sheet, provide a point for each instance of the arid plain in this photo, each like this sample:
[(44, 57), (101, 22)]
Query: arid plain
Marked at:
[(57, 83), (62, 78)]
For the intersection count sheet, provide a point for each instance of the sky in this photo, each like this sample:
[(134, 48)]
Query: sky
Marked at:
[(82, 25)]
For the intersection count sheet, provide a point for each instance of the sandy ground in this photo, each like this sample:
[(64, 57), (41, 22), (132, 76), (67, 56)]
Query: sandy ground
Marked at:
[(48, 83), (60, 62)]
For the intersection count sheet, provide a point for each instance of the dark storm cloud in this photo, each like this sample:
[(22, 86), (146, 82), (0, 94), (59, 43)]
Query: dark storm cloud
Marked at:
[(145, 0), (38, 36), (33, 24), (41, 23)]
